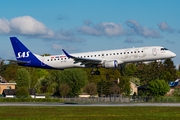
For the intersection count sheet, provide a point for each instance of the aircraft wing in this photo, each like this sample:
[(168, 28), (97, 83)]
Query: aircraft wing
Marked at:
[(83, 61)]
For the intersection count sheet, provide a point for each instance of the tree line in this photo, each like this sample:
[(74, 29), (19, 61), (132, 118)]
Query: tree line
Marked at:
[(72, 82)]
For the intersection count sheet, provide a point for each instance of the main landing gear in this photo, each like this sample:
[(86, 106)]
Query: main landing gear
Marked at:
[(95, 72)]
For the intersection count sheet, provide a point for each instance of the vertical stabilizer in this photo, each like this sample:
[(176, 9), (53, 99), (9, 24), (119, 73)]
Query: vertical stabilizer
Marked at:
[(21, 52), (23, 55)]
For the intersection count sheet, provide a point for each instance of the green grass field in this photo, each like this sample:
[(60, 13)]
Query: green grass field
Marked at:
[(90, 113)]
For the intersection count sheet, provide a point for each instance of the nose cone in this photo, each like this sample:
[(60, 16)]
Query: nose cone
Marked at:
[(173, 55)]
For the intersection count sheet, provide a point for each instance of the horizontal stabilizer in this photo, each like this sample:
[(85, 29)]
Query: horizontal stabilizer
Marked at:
[(18, 61)]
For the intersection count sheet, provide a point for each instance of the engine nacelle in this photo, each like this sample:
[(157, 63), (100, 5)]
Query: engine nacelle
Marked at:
[(110, 64)]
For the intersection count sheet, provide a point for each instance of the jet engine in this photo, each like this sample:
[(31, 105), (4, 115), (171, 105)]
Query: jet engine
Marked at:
[(110, 64)]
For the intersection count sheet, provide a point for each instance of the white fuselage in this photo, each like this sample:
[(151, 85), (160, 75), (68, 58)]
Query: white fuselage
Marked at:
[(120, 55)]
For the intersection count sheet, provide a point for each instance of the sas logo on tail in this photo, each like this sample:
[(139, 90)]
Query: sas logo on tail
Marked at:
[(23, 54)]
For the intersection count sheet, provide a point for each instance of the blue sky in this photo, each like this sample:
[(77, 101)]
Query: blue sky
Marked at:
[(46, 26)]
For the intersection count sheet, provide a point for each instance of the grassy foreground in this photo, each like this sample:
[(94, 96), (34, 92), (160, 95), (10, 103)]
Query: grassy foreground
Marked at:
[(90, 113)]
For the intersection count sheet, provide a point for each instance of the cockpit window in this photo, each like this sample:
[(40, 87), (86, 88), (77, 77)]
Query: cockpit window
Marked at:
[(164, 49)]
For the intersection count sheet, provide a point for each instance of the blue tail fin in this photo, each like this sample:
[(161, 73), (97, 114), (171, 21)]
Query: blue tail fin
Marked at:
[(24, 56), (22, 53)]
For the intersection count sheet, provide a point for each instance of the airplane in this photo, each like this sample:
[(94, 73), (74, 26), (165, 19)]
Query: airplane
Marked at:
[(94, 60)]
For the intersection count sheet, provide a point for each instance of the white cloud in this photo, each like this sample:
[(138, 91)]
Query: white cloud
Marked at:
[(4, 26), (89, 30), (163, 26), (103, 29), (141, 30), (28, 26), (112, 29), (24, 25)]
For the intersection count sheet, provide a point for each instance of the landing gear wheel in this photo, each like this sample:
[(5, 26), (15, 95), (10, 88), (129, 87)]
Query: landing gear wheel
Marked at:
[(95, 72)]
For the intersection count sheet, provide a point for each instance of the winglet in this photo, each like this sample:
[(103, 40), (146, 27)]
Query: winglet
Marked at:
[(69, 56)]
